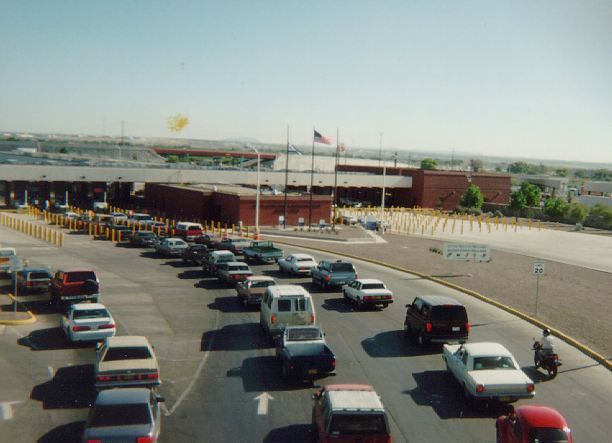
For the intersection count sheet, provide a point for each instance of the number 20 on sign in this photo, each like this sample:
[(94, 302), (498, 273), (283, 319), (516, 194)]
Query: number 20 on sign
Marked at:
[(538, 268)]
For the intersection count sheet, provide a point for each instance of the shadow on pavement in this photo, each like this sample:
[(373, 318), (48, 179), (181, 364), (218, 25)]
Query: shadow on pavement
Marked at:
[(179, 264), (192, 273), (49, 339), (227, 304), (211, 283), (293, 433), (394, 344), (439, 390), (39, 307), (151, 254), (68, 433), (338, 305), (263, 373), (242, 336), (71, 387)]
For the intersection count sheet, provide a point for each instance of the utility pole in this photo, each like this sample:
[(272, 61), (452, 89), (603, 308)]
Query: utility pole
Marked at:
[(311, 185), (380, 149), (335, 194), (286, 180)]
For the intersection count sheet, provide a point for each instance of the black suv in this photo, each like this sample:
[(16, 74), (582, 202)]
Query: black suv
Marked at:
[(437, 319)]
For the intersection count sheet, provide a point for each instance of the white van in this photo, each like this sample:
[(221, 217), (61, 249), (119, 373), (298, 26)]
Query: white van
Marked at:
[(285, 305)]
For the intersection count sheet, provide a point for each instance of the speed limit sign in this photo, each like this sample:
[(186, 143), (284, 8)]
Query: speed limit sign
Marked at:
[(538, 267)]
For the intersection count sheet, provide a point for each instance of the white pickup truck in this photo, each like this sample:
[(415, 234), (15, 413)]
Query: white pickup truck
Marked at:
[(487, 371), (7, 255)]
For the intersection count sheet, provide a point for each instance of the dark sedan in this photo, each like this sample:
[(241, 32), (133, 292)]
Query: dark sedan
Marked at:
[(143, 239), (127, 414)]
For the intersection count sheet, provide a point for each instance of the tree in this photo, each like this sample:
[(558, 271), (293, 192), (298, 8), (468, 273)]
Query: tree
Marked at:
[(518, 201), (555, 208), (532, 193), (561, 172), (602, 175), (518, 168), (472, 198), (577, 213), (429, 163), (476, 164), (64, 150), (172, 159)]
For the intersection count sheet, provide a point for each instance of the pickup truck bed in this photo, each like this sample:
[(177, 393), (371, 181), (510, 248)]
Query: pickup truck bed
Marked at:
[(303, 363), (263, 251)]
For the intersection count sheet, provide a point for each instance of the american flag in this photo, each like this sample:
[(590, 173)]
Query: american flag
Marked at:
[(293, 149), (342, 147), (318, 138)]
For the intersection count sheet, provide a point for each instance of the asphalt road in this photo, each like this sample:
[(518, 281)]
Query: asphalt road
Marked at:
[(215, 361)]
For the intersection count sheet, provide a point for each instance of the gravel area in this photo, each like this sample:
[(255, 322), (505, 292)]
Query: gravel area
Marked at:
[(572, 299)]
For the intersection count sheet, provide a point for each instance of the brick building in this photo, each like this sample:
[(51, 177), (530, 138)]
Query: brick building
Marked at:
[(430, 188), (233, 204)]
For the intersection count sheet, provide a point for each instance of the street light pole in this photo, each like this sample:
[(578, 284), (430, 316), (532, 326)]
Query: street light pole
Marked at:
[(257, 192)]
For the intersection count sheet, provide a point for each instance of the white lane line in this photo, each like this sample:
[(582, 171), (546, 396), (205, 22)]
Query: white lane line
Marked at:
[(197, 373), (6, 410), (50, 369)]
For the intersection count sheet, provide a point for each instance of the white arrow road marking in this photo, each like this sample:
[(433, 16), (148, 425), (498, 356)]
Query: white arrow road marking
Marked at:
[(262, 406), (6, 410)]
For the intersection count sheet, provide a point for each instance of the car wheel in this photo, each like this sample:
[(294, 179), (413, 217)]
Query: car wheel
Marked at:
[(245, 303), (536, 361), (360, 304), (284, 372), (552, 370), (469, 400)]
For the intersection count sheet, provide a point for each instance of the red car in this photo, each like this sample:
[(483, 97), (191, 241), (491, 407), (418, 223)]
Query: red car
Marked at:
[(533, 424)]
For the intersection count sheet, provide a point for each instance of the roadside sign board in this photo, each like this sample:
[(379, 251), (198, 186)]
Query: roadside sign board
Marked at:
[(538, 267), (16, 264), (467, 252)]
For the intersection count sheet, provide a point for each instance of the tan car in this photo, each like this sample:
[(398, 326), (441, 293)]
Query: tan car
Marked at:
[(249, 291)]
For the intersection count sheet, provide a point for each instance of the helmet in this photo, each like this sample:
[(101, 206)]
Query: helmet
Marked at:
[(545, 332)]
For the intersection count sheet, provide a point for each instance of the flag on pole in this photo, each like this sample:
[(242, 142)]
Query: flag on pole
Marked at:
[(293, 149), (342, 147), (318, 138)]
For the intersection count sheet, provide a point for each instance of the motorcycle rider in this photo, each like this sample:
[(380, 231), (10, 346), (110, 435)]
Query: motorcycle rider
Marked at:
[(547, 345)]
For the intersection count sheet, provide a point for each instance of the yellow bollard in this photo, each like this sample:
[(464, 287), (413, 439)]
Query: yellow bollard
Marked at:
[(107, 232), (247, 232), (113, 236), (61, 239)]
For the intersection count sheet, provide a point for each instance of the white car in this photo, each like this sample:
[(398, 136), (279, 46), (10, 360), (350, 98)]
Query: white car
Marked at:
[(297, 264), (487, 371), (171, 246), (87, 322), (125, 361), (367, 292)]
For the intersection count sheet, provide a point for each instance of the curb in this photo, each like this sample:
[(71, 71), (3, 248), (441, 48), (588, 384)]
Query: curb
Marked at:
[(26, 321), (566, 338)]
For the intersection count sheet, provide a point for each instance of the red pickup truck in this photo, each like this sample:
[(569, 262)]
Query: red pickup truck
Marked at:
[(73, 286)]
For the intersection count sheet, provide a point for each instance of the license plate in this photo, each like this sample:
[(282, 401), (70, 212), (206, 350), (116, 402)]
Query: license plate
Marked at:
[(505, 399), (72, 297), (312, 371), (128, 377), (456, 328)]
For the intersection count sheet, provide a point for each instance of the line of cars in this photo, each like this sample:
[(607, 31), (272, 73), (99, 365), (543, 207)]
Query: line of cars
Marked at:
[(131, 413), (485, 371)]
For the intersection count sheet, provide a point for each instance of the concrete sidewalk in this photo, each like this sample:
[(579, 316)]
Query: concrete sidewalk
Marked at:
[(11, 316)]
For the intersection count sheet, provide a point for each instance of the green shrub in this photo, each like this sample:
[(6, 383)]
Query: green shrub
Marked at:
[(472, 198), (577, 213), (555, 208), (600, 216)]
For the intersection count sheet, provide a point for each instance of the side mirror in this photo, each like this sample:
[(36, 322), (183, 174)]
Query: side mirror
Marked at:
[(408, 305), (160, 399)]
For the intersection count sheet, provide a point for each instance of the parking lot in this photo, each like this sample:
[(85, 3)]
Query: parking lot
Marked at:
[(216, 364)]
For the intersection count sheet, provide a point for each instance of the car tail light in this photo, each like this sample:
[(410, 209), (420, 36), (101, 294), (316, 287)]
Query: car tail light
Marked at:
[(146, 440), (480, 388), (106, 326), (28, 283), (530, 387), (334, 363), (367, 298), (312, 318), (467, 327), (153, 376), (428, 327), (327, 277), (388, 297), (273, 319), (103, 377), (80, 328), (94, 441)]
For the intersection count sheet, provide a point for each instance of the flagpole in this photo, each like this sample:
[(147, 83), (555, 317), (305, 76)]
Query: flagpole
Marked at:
[(335, 196), (311, 182), (286, 180)]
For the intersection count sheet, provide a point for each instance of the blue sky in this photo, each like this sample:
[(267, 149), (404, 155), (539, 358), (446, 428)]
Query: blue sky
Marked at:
[(523, 78)]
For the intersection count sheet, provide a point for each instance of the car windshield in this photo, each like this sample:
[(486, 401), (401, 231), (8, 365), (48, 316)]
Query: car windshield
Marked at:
[(494, 362), (304, 259), (90, 313), (373, 286), (35, 275), (6, 253), (548, 435), (261, 284), (144, 234), (297, 334), (358, 424), (127, 353), (449, 312), (120, 415), (342, 267), (80, 276), (239, 268)]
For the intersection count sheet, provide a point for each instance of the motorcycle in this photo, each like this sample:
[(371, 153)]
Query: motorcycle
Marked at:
[(548, 362)]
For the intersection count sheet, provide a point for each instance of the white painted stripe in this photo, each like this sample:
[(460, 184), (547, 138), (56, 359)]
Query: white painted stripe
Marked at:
[(50, 369), (197, 373)]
